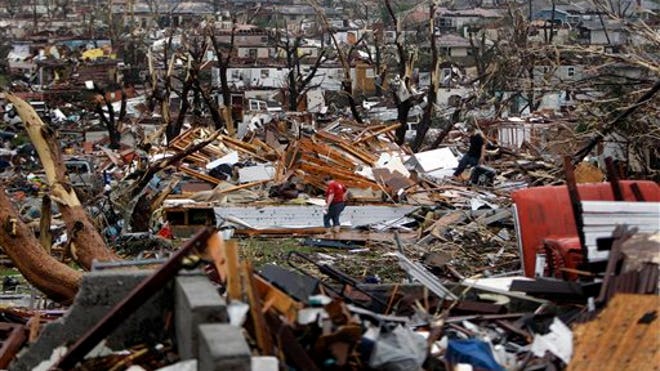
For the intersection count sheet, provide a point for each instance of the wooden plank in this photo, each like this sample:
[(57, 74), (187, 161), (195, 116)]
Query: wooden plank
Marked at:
[(247, 147), (442, 224), (364, 156), (34, 325), (613, 261), (242, 186), (242, 147), (327, 152), (234, 289), (367, 131), (616, 340), (198, 175), (346, 177), (277, 299), (613, 178), (215, 247), (377, 133)]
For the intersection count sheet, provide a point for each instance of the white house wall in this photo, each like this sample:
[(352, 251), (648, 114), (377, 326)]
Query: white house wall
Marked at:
[(276, 77)]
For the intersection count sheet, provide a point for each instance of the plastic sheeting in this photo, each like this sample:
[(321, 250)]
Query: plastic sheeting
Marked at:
[(473, 352), (399, 350)]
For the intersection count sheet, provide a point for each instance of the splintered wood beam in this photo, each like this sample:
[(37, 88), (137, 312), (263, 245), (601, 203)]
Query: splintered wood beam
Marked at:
[(277, 300), (364, 156), (369, 130), (238, 146), (348, 178), (198, 175), (325, 151), (239, 143), (242, 186), (613, 178), (229, 121), (377, 133), (216, 249), (160, 197)]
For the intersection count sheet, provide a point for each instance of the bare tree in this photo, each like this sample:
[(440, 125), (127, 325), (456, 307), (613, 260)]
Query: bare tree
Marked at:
[(13, 7), (377, 57), (432, 95), (347, 81), (405, 63), (224, 52), (111, 120), (171, 80), (298, 82)]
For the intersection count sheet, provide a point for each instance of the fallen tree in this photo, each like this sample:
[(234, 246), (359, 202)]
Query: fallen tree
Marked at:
[(86, 243), (57, 280)]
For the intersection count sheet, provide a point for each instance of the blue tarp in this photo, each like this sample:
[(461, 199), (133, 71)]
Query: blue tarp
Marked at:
[(474, 352)]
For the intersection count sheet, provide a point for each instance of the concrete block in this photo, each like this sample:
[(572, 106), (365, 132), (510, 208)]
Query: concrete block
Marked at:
[(196, 302), (99, 292), (222, 348)]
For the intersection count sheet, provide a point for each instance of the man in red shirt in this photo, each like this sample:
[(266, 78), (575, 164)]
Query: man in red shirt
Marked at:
[(334, 203)]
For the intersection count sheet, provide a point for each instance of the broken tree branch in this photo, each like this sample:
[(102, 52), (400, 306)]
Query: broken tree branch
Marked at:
[(584, 151), (87, 244), (58, 281)]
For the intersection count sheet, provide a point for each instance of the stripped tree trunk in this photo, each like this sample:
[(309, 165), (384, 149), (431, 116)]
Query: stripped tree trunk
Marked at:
[(58, 281), (87, 244), (405, 64), (432, 96)]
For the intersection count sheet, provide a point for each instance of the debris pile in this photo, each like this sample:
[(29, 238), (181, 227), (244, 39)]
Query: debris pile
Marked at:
[(290, 316), (491, 269)]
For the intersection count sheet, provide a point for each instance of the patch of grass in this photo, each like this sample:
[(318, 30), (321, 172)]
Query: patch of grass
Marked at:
[(8, 271), (358, 265), (263, 251)]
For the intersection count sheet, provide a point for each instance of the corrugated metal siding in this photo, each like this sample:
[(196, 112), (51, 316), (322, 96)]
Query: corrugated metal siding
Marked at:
[(308, 216)]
